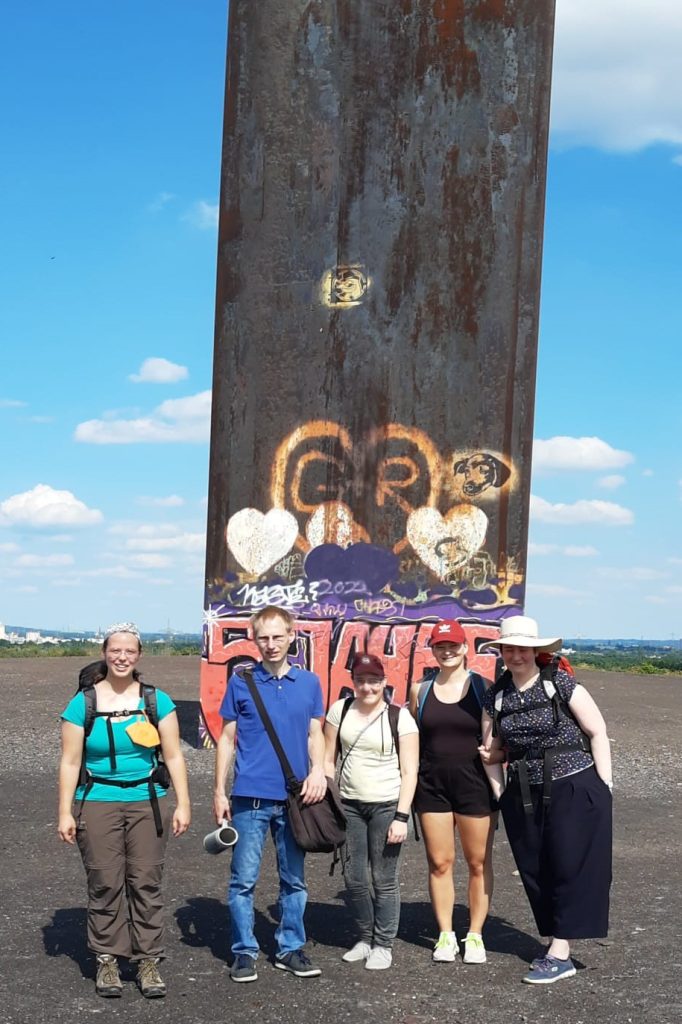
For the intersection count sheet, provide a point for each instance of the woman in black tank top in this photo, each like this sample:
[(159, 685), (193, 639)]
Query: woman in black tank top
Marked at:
[(453, 792)]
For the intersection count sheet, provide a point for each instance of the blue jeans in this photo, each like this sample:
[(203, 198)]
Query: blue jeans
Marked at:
[(252, 818), (377, 914)]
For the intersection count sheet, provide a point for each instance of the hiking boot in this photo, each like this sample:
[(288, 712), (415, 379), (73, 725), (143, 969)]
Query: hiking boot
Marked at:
[(298, 963), (379, 959), (548, 970), (108, 981), (243, 968), (445, 949), (360, 951), (474, 950), (149, 981)]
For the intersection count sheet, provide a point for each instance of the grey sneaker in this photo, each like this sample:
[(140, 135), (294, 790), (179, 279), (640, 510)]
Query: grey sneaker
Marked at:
[(108, 981), (243, 968), (548, 970), (149, 981), (299, 964), (360, 951), (380, 959)]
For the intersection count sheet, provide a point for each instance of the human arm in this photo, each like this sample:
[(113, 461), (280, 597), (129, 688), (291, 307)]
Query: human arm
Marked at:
[(413, 701), (223, 761), (315, 784), (169, 733), (409, 766), (589, 718), (331, 739), (69, 769), (493, 766)]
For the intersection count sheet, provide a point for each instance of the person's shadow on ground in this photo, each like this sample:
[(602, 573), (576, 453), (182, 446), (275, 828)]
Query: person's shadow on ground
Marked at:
[(65, 936), (204, 923)]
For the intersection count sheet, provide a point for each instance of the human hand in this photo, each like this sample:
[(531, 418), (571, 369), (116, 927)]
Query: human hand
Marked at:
[(314, 786), (181, 819), (222, 810), (66, 828), (397, 832)]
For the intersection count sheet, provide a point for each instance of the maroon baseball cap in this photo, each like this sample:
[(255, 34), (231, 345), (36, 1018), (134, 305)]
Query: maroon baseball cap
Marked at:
[(448, 631), (367, 665)]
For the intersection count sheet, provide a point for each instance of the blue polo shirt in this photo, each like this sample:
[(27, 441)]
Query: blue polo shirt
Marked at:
[(291, 701)]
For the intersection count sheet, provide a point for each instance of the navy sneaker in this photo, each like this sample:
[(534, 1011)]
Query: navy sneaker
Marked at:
[(549, 969), (243, 968), (299, 964)]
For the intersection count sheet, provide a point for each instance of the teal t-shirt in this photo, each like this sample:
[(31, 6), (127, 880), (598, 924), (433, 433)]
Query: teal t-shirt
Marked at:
[(132, 760)]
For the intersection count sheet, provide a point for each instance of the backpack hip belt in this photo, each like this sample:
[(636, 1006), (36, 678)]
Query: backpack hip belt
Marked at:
[(518, 769)]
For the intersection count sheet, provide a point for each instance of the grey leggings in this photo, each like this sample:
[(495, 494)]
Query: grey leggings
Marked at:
[(372, 861)]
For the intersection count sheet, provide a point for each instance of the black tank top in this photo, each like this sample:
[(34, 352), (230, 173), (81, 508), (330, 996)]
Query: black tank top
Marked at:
[(450, 731)]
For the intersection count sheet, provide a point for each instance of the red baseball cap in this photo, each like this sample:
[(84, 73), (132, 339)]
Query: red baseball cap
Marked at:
[(367, 665), (447, 631)]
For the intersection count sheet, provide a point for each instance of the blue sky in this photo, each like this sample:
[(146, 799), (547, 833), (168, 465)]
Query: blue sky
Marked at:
[(108, 201)]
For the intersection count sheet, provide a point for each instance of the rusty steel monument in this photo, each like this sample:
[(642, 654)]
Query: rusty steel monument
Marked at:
[(380, 242)]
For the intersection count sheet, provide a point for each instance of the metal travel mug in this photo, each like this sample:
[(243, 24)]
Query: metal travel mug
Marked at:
[(221, 839)]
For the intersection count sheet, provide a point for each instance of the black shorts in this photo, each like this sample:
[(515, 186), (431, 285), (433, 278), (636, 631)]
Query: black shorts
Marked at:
[(460, 788)]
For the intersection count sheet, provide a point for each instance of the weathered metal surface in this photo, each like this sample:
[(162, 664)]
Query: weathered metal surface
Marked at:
[(377, 310)]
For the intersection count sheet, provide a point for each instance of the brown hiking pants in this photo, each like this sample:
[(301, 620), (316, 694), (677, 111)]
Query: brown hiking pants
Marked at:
[(123, 859)]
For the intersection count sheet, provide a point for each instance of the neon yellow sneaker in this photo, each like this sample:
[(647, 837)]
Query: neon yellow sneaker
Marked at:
[(445, 949), (474, 950)]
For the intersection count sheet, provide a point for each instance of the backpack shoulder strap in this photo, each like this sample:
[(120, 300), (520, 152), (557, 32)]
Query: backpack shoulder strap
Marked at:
[(90, 698), (424, 688), (148, 694), (393, 717), (478, 686), (344, 711)]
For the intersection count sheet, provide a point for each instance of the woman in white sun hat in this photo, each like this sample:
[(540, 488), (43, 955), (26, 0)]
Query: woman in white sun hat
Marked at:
[(556, 804)]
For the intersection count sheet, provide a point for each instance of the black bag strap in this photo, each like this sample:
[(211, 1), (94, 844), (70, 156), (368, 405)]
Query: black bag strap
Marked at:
[(293, 784)]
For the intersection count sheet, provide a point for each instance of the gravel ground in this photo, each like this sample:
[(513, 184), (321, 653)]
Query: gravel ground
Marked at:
[(47, 972)]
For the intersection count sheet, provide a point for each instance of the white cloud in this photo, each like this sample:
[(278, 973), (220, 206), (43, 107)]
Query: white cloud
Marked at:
[(179, 542), (170, 501), (150, 561), (12, 403), (571, 551), (175, 420), (26, 589), (552, 590), (160, 200), (42, 561), (157, 370), (633, 572), (611, 482), (202, 215), (580, 551), (604, 512), (674, 590), (590, 453), (647, 472), (45, 506), (655, 599), (41, 419), (9, 548), (617, 81)]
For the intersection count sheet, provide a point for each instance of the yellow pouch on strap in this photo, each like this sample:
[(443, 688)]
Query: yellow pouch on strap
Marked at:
[(144, 734)]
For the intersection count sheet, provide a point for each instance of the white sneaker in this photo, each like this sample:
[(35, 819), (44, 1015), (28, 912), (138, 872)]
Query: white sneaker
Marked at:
[(379, 959), (445, 949), (360, 951), (474, 950)]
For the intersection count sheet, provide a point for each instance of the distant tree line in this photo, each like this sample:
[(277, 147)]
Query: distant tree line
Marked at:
[(85, 649), (642, 662)]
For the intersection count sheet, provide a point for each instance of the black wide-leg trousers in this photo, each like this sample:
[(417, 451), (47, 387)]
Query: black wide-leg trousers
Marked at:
[(563, 853)]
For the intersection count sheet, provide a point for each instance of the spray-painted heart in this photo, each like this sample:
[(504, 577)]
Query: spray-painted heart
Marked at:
[(257, 541), (444, 543), (332, 523)]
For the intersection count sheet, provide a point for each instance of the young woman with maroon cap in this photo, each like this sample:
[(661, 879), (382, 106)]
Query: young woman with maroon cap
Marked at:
[(377, 783), (453, 793)]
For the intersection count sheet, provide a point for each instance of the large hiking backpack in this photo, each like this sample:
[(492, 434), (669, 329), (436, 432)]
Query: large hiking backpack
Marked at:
[(87, 678)]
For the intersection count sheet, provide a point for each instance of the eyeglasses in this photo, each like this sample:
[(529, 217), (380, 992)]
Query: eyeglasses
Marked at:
[(374, 683)]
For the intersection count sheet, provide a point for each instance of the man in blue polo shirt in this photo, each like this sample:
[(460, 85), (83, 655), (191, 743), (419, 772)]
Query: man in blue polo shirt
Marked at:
[(293, 699)]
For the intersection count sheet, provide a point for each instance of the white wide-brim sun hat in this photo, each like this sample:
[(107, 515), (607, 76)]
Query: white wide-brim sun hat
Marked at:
[(522, 631)]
